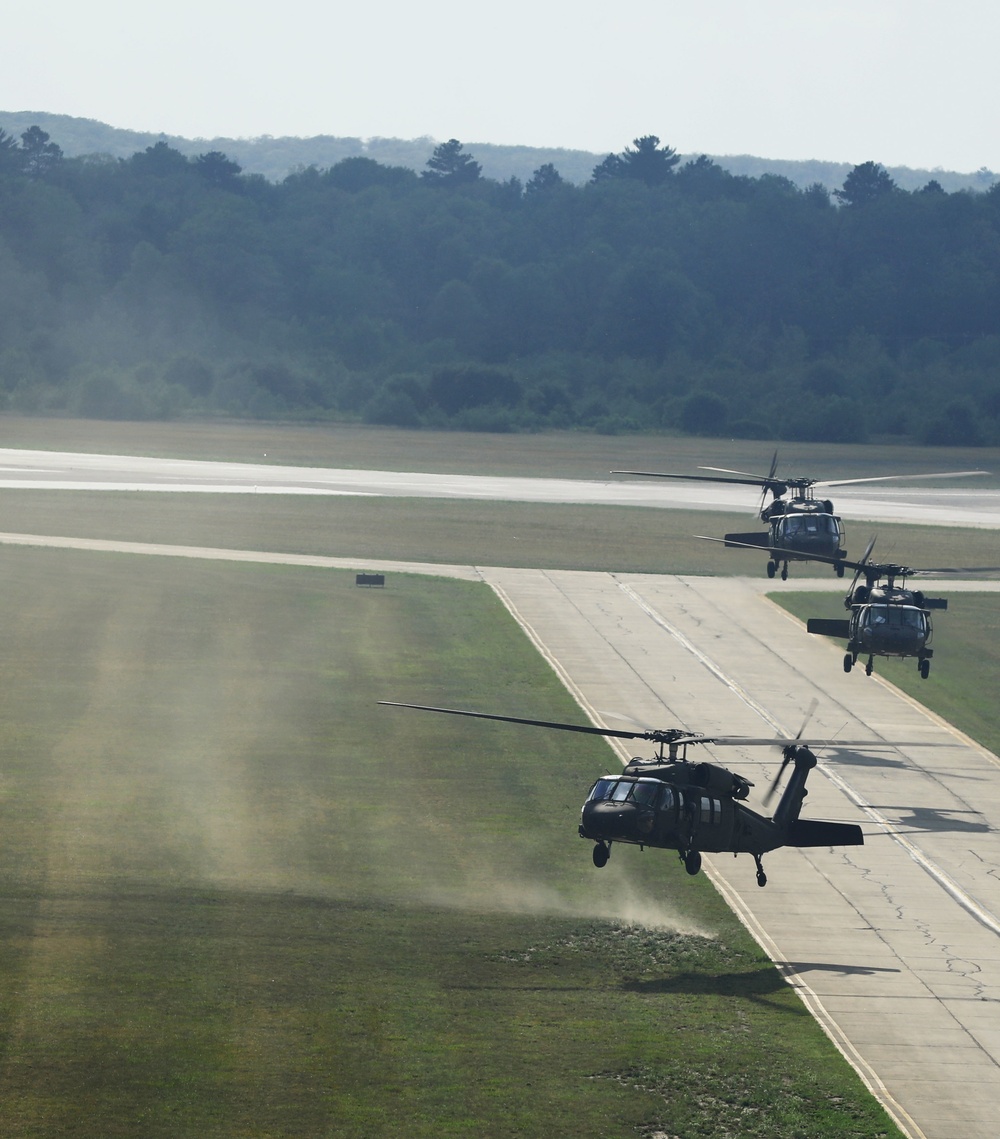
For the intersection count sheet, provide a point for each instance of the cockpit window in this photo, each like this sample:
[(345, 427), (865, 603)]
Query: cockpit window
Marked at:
[(645, 792), (620, 793), (896, 617), (602, 788), (798, 524)]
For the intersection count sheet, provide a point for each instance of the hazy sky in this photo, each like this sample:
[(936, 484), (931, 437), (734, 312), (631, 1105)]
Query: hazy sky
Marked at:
[(902, 82)]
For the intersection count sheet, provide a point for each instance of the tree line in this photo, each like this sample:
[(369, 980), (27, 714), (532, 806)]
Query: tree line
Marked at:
[(662, 295)]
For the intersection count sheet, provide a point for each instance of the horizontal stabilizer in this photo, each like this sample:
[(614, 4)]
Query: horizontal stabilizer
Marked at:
[(811, 832), (828, 627), (754, 539), (935, 603)]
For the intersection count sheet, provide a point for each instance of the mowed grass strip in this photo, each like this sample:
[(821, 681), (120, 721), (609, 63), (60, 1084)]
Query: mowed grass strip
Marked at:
[(240, 899), (449, 532)]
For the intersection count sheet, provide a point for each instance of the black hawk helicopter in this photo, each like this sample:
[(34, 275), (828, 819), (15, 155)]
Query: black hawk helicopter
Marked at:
[(888, 620), (672, 803), (800, 527)]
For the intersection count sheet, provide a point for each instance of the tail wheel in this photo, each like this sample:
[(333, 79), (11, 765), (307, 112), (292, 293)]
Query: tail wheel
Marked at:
[(839, 568)]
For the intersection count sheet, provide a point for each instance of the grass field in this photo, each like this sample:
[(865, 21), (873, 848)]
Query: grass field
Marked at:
[(240, 899), (541, 536)]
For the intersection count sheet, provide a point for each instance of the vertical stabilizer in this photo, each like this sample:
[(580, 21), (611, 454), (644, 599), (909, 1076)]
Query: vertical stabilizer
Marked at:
[(788, 810)]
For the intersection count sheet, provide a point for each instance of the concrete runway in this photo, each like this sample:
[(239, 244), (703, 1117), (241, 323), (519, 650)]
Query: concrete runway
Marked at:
[(893, 946), (959, 503)]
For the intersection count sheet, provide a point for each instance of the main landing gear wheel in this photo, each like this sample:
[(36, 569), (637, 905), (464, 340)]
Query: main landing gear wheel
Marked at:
[(839, 567), (869, 666), (784, 572), (761, 876), (848, 662), (925, 669), (771, 567), (601, 855), (692, 861)]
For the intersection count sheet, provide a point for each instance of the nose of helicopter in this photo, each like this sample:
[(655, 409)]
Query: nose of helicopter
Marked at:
[(608, 820), (816, 543), (891, 639)]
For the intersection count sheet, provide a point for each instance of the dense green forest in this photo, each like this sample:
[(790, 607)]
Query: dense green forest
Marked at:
[(661, 295)]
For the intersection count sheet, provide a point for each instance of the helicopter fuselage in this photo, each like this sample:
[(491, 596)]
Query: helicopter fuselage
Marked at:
[(698, 807), (800, 530), (890, 623), (649, 811), (885, 621)]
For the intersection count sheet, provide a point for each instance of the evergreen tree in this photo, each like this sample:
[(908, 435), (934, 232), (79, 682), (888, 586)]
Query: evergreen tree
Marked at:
[(448, 166), (864, 184), (544, 178), (648, 162), (218, 170), (39, 156)]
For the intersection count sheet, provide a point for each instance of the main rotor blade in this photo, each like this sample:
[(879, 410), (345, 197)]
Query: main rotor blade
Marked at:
[(951, 569), (752, 481), (793, 555), (900, 478), (585, 729), (784, 741), (671, 735), (763, 480)]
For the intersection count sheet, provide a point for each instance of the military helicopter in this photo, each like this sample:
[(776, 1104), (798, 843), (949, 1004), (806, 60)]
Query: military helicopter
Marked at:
[(887, 620), (801, 527), (672, 803)]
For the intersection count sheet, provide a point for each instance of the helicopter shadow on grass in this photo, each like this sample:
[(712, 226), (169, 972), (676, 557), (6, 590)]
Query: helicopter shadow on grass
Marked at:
[(758, 984)]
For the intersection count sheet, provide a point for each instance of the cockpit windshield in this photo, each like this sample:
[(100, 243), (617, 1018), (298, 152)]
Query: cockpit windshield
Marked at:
[(645, 791), (895, 617), (802, 525)]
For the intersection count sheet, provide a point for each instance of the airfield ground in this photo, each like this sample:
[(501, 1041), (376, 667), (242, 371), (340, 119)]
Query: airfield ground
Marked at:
[(238, 903)]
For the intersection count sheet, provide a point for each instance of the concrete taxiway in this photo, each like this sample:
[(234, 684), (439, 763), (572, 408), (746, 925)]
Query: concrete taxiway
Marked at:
[(894, 946)]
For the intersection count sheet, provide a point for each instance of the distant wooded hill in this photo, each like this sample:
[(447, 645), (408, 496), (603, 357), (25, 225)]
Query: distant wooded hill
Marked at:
[(275, 158), (656, 294)]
